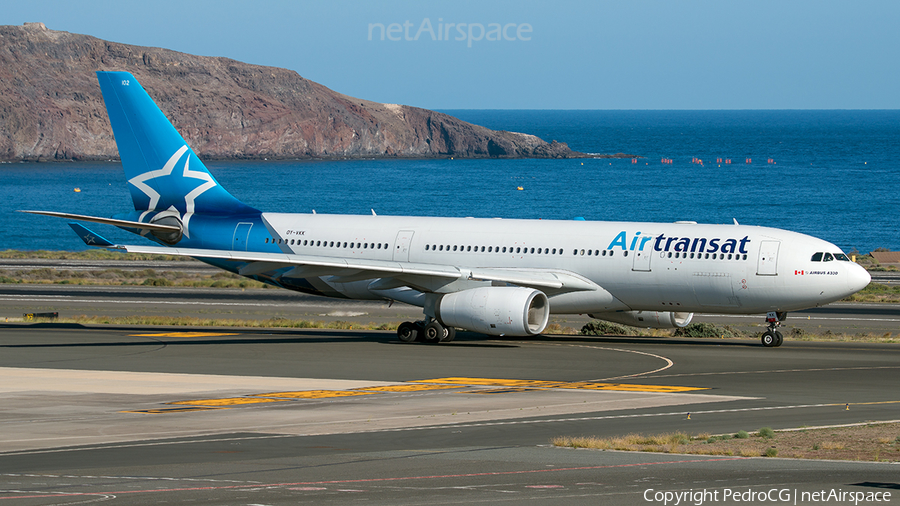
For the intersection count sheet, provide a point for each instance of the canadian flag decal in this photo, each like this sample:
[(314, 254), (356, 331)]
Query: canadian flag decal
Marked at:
[(796, 273)]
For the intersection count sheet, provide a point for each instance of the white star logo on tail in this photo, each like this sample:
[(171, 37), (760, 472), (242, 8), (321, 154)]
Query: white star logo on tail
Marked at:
[(141, 183)]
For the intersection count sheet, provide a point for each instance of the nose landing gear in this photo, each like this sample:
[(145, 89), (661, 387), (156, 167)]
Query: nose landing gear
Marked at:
[(771, 338)]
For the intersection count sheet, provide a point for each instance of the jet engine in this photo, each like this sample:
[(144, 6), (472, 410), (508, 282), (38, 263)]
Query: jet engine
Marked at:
[(495, 310), (647, 319)]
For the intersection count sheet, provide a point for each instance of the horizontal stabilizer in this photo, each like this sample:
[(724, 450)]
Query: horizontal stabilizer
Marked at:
[(109, 221), (89, 237)]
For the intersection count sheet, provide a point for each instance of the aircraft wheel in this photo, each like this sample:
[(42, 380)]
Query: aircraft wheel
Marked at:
[(778, 339), (450, 334), (434, 332), (407, 332), (769, 339)]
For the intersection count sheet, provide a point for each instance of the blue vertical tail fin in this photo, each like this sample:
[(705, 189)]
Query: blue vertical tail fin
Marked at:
[(163, 172)]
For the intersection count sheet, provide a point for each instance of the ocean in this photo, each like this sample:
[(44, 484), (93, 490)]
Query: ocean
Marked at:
[(830, 174)]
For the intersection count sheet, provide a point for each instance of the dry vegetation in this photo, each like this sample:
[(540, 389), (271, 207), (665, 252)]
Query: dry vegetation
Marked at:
[(122, 277), (190, 321), (91, 254), (710, 330), (869, 442)]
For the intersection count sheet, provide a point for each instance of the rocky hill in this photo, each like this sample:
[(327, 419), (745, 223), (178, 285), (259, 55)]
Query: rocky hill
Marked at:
[(51, 108)]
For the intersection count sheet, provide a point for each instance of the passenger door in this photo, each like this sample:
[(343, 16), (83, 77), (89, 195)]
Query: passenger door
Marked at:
[(768, 258), (401, 245)]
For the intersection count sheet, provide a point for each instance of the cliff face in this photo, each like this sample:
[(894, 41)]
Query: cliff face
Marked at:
[(51, 108)]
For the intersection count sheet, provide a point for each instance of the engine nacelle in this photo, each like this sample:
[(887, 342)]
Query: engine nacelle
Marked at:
[(495, 310), (647, 319)]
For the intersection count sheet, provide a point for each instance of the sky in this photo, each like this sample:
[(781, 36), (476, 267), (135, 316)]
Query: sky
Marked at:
[(531, 54)]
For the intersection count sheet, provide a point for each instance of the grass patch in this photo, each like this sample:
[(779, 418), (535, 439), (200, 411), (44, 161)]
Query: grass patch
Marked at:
[(706, 329), (664, 443), (90, 254), (711, 330), (605, 328), (125, 277), (190, 321), (873, 442), (876, 292)]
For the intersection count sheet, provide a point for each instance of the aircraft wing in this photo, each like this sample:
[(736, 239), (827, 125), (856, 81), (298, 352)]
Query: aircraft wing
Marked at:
[(319, 266), (346, 270)]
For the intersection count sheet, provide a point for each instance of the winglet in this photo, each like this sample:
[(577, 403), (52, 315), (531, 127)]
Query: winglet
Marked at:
[(90, 238)]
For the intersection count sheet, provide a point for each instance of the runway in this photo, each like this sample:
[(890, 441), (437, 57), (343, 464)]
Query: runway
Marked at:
[(263, 304), (231, 416)]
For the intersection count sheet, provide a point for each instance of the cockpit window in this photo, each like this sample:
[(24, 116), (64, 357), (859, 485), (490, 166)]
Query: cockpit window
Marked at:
[(827, 257), (817, 257), (842, 257)]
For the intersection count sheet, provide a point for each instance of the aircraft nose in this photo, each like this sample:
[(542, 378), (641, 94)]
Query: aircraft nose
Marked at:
[(858, 278)]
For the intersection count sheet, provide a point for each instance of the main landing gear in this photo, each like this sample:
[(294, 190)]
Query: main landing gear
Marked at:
[(430, 331), (771, 338)]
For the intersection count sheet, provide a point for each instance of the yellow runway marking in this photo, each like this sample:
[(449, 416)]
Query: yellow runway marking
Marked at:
[(231, 401), (505, 386), (314, 394), (405, 388), (577, 385), (170, 410), (864, 403), (185, 334), (501, 391)]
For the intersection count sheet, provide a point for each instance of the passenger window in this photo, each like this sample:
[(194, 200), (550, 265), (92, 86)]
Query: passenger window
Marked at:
[(604, 252), (612, 252), (590, 252), (827, 257), (817, 257), (625, 253), (331, 244), (582, 252), (454, 247), (554, 251), (468, 248), (670, 254), (267, 240)]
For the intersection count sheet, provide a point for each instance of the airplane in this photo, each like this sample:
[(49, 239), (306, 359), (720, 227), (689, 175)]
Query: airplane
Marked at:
[(500, 277)]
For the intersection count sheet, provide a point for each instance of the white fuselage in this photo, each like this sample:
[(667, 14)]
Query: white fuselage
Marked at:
[(684, 267)]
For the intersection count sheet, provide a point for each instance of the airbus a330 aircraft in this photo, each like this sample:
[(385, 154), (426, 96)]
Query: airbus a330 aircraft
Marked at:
[(494, 276)]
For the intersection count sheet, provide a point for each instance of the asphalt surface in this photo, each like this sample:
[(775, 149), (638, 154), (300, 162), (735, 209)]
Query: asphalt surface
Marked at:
[(264, 304), (152, 415)]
